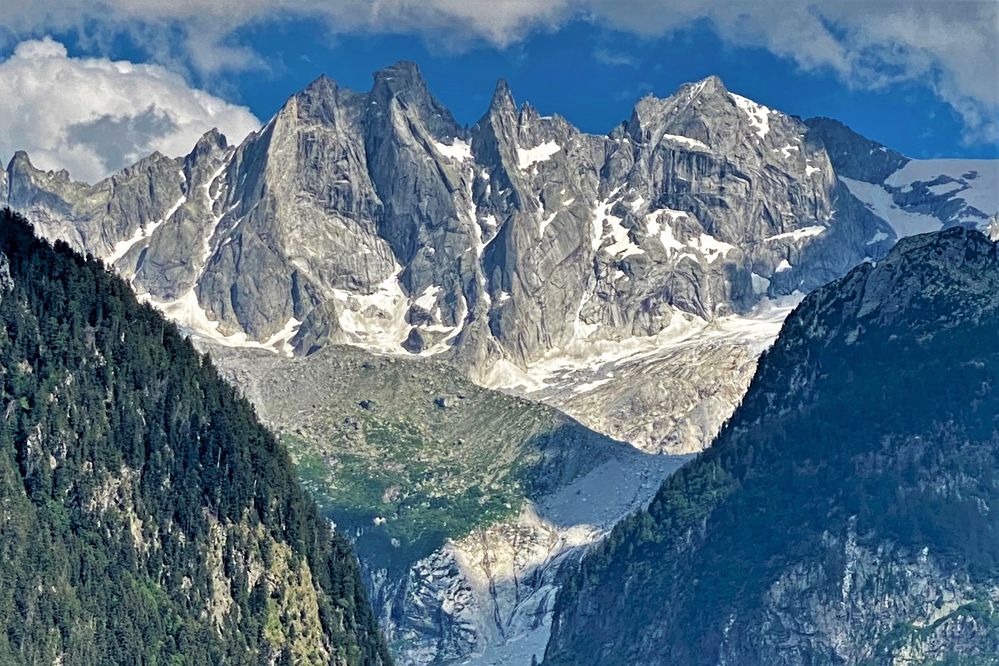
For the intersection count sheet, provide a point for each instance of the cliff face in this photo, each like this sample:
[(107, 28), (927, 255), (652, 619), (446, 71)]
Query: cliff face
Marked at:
[(845, 513), (145, 514)]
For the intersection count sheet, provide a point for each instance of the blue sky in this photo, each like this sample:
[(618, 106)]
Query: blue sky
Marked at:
[(921, 76)]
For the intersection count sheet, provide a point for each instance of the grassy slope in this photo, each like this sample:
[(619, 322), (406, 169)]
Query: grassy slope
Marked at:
[(411, 442)]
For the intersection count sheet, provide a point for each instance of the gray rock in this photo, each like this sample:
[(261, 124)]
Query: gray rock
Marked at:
[(502, 242), (853, 155)]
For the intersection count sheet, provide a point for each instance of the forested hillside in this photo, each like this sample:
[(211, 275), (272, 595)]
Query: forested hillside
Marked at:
[(146, 517), (847, 512)]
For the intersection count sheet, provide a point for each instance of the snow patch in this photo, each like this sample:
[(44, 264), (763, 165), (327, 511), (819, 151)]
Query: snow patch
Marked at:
[(545, 222), (880, 201), (878, 237), (945, 188), (786, 151), (458, 150), (540, 153), (376, 321), (710, 247), (687, 142), (657, 228), (758, 115), (607, 226), (427, 299), (281, 341), (621, 243), (187, 313), (798, 234)]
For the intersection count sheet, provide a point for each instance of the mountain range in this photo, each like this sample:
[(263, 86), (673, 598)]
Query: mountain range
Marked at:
[(630, 280), (375, 219)]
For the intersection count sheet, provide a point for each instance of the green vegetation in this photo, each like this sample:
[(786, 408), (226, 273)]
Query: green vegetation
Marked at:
[(423, 501), (408, 485), (407, 454), (146, 517)]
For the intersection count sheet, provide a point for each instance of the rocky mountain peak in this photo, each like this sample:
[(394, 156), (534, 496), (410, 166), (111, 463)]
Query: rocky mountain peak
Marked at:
[(709, 86), (316, 102), (320, 83), (696, 110), (23, 176), (206, 153), (20, 162), (502, 100), (399, 77), (404, 83), (852, 155), (210, 141)]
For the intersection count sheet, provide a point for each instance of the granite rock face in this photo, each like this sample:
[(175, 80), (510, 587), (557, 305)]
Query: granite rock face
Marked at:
[(375, 219)]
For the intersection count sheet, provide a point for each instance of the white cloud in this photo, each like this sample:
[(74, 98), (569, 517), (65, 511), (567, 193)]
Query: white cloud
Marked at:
[(93, 116), (948, 45), (615, 59)]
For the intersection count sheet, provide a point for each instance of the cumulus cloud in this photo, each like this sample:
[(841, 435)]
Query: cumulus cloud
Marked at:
[(93, 116), (949, 45)]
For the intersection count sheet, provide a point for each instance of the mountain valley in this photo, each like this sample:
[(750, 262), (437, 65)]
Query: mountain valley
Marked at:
[(485, 346)]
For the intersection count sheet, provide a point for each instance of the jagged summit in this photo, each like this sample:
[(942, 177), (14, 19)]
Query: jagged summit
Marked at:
[(474, 218), (400, 75), (20, 160), (321, 83), (213, 139), (502, 99), (709, 85)]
